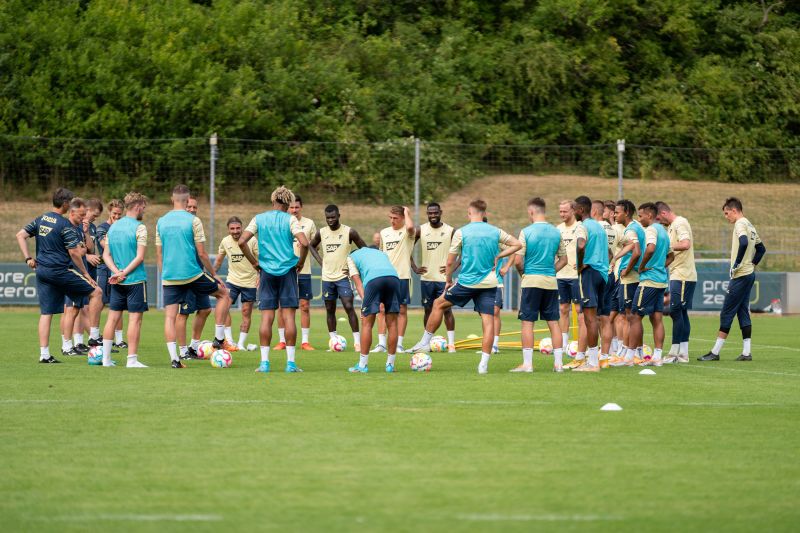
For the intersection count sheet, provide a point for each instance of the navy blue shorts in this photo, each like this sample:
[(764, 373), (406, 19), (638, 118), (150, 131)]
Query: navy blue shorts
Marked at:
[(105, 286), (681, 294), (405, 292), (278, 291), (625, 294), (593, 291), (498, 297), (53, 286), (331, 290), (483, 298), (430, 291), (737, 302), (131, 298), (192, 296), (610, 296), (648, 300), (304, 287), (248, 294), (569, 291), (537, 303), (78, 303), (383, 290)]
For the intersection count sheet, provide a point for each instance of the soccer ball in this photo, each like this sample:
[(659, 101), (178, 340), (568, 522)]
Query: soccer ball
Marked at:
[(95, 355), (647, 352), (572, 348), (546, 345), (421, 362), (337, 344), (205, 349), (438, 344), (221, 359)]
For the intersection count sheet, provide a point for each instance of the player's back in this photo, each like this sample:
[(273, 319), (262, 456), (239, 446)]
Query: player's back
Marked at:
[(54, 234), (372, 264), (176, 235), (480, 243), (656, 271), (275, 241), (123, 239), (542, 241), (596, 250)]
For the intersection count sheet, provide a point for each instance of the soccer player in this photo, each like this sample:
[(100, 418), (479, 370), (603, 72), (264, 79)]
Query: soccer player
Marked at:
[(478, 244), (72, 339), (181, 254), (397, 241), (500, 272), (125, 245), (567, 277), (87, 322), (115, 209), (682, 280), (59, 267), (592, 258), (303, 280), (617, 316), (335, 239), (241, 281), (629, 257), (653, 280), (541, 256), (434, 238), (747, 250), (378, 284), (276, 231), (600, 213)]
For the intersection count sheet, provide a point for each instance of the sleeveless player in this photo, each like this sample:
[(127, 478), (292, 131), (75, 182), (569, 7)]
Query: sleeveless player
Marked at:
[(115, 209), (434, 238), (378, 285), (181, 254), (58, 265), (125, 245), (241, 280), (600, 213), (747, 250), (478, 244), (567, 277), (276, 231), (541, 256), (617, 318), (336, 239)]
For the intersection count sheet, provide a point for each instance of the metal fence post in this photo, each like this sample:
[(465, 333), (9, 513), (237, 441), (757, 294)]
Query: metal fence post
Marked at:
[(620, 158), (212, 188), (416, 181)]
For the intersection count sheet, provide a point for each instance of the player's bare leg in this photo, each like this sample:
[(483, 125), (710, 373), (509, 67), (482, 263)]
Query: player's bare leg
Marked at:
[(347, 304), (497, 325), (367, 323), (265, 337), (305, 323), (527, 347), (289, 323), (487, 324), (244, 327), (402, 323), (381, 320), (392, 338), (281, 332), (170, 320), (592, 325), (657, 321)]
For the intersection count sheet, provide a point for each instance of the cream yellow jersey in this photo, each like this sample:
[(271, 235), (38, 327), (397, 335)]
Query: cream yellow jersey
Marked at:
[(569, 237), (309, 229), (335, 246), (682, 267), (240, 272), (628, 237), (744, 227), (398, 245), (619, 232), (434, 247)]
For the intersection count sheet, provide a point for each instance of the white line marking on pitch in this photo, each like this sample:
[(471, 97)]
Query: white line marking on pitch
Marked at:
[(730, 404), (141, 518), (35, 401), (769, 346), (255, 401), (536, 518), (709, 366)]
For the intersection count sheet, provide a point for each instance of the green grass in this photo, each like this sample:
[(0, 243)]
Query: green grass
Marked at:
[(698, 447)]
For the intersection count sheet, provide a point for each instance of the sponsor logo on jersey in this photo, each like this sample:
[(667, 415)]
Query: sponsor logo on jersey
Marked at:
[(432, 245), (49, 219), (391, 245), (330, 248), (44, 231), (236, 258)]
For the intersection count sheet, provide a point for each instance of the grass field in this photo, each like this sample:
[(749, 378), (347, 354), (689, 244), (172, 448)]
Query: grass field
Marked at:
[(698, 447)]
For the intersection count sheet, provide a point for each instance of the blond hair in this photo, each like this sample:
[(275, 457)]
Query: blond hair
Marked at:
[(283, 196), (115, 203), (133, 199)]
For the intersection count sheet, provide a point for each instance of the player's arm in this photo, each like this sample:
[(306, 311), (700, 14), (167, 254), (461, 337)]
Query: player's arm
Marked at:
[(221, 253), (313, 245), (356, 239), (246, 251), (359, 286), (519, 263), (636, 252), (452, 265), (670, 259), (682, 245), (760, 251), (303, 241), (561, 262), (410, 228), (512, 245), (141, 247), (109, 261), (74, 246), (418, 270), (649, 250), (22, 241)]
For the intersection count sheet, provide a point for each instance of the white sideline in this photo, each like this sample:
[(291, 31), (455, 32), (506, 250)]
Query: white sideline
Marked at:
[(754, 345), (536, 518), (139, 518), (709, 366)]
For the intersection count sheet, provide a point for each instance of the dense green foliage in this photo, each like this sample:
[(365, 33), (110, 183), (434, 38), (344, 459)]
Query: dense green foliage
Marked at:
[(699, 73)]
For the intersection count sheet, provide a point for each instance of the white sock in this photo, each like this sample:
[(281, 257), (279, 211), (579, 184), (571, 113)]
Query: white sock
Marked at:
[(451, 337), (558, 357), (242, 339), (183, 350), (527, 356), (219, 331), (133, 358), (78, 338), (485, 359), (118, 336), (290, 354), (304, 332), (264, 353), (718, 346), (639, 352), (333, 334), (614, 344), (400, 340), (580, 356), (106, 351), (94, 333), (565, 340), (684, 348), (390, 359), (282, 334), (228, 334), (382, 340), (746, 346), (674, 349), (363, 360), (630, 354), (426, 337), (44, 352), (593, 360), (496, 340), (172, 348), (66, 344), (622, 350), (657, 354), (194, 343), (357, 337)]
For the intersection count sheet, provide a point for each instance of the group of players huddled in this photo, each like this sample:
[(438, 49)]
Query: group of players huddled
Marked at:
[(617, 269)]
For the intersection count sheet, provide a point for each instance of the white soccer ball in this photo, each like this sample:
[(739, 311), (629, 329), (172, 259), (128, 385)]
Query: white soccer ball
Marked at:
[(205, 349), (95, 356), (572, 348), (438, 344), (221, 359), (337, 344), (546, 345), (421, 362)]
